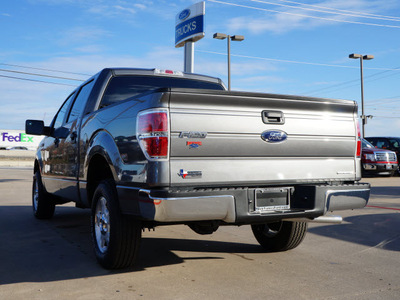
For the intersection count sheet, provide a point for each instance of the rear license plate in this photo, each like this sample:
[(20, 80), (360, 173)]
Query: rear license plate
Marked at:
[(272, 199)]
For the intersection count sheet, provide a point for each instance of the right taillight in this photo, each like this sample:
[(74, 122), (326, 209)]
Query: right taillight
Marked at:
[(358, 151), (152, 131)]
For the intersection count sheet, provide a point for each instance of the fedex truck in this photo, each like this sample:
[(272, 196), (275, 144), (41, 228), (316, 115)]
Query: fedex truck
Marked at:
[(18, 139)]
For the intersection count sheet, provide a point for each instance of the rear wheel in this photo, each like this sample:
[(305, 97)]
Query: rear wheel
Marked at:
[(116, 237), (280, 236), (42, 204)]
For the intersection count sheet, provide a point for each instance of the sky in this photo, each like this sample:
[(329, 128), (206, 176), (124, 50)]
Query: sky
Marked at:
[(49, 47)]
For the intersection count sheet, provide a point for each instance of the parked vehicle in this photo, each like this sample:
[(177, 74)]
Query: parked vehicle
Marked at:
[(144, 148), (17, 148), (377, 161), (388, 143)]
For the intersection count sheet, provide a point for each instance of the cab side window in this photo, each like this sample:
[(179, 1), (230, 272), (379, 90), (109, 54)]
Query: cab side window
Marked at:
[(80, 101), (59, 120), (394, 143), (382, 144)]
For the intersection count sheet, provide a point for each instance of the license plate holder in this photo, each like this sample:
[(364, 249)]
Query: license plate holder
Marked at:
[(272, 199)]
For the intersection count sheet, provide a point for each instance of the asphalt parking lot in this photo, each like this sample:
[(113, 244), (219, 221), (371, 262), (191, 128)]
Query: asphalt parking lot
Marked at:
[(53, 259)]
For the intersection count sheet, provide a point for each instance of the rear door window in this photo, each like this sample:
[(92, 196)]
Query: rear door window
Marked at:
[(60, 117), (80, 101)]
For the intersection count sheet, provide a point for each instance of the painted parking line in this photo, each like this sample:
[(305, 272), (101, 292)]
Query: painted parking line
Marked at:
[(382, 207)]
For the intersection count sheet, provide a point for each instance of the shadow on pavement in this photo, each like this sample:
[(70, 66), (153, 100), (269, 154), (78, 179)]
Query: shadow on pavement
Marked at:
[(376, 230), (60, 249), (386, 191), (10, 180)]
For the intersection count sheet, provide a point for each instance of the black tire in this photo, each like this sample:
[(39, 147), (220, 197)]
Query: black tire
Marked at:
[(116, 237), (280, 236), (204, 228), (42, 204)]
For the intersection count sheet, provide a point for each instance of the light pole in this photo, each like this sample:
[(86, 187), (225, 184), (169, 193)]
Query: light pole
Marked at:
[(238, 38), (362, 57)]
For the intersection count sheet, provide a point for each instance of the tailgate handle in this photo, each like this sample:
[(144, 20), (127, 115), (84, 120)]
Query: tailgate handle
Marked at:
[(273, 117)]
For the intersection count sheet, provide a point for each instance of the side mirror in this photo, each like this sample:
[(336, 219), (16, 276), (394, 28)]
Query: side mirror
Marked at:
[(36, 127)]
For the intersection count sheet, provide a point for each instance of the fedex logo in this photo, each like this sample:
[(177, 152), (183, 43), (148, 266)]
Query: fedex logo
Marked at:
[(22, 137)]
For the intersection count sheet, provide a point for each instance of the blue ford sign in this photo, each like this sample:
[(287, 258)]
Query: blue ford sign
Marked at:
[(184, 14), (189, 24), (274, 136)]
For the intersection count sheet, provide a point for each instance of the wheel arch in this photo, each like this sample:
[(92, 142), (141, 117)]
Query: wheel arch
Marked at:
[(36, 167), (98, 170), (102, 161)]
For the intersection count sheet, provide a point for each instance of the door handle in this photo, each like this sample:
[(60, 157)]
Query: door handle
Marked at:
[(273, 117), (74, 136)]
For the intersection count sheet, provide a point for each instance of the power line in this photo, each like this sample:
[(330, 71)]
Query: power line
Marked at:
[(296, 62), (351, 82), (340, 10), (386, 117), (390, 99), (383, 101), (278, 60), (333, 86), (43, 69), (35, 80), (306, 16), (327, 12), (366, 79), (41, 75)]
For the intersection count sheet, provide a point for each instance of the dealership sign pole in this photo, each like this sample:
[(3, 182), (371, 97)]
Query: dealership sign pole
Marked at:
[(189, 28)]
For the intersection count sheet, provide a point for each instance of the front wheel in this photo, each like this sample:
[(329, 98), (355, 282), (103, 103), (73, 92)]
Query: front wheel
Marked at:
[(42, 204), (280, 236), (116, 237)]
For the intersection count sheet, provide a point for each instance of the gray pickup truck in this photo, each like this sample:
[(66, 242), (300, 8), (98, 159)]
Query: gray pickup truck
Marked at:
[(145, 148)]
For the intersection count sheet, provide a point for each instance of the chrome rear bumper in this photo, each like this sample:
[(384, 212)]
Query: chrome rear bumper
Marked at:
[(236, 205)]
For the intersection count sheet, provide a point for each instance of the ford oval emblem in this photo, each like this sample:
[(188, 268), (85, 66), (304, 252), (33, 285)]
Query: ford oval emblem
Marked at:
[(184, 14), (274, 136)]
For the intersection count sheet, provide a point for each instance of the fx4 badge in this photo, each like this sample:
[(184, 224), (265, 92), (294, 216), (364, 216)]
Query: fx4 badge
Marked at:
[(189, 174), (274, 136)]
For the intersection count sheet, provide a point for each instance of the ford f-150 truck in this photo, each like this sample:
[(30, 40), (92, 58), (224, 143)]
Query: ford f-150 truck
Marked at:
[(144, 148), (377, 161)]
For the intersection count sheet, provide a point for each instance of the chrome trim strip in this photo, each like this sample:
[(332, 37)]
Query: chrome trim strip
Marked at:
[(59, 179)]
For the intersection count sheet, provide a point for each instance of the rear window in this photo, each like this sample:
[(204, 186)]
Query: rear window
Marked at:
[(127, 87)]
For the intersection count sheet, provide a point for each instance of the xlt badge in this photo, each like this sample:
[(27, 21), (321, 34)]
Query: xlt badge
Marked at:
[(189, 174)]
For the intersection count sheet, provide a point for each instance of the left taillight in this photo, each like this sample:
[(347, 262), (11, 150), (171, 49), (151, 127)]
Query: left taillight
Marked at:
[(152, 131), (358, 151)]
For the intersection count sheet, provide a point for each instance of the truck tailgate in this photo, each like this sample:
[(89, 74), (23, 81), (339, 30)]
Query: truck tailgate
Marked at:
[(225, 138)]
